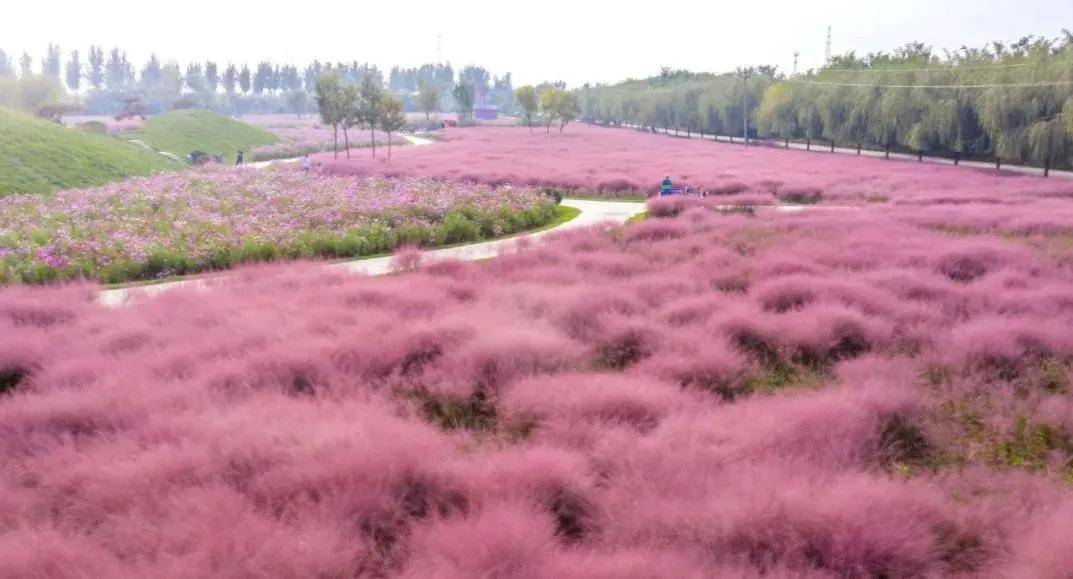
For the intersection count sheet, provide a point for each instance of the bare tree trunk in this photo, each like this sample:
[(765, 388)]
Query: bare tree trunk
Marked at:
[(372, 135), (389, 146), (832, 145), (346, 139), (335, 141)]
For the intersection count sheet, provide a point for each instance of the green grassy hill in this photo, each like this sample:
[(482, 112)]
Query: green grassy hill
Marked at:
[(185, 131), (38, 156)]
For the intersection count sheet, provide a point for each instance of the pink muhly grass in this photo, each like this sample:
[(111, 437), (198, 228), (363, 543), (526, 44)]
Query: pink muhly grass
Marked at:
[(826, 394), (406, 258)]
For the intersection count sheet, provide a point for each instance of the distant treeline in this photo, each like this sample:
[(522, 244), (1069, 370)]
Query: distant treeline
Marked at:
[(678, 99), (1011, 102), (103, 82)]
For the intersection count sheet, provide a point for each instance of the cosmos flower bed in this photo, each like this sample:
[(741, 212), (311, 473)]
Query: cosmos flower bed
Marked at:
[(182, 223), (617, 162), (816, 394), (298, 137)]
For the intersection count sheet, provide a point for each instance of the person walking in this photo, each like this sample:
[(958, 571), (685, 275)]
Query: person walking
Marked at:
[(307, 164), (238, 160)]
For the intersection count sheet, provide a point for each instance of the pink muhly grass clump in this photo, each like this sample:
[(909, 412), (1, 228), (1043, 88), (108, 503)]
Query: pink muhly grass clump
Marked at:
[(502, 540), (500, 354), (813, 394), (969, 262), (406, 259), (698, 361), (1005, 347), (580, 401)]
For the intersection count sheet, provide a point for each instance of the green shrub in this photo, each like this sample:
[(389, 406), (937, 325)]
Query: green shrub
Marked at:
[(457, 228), (94, 127)]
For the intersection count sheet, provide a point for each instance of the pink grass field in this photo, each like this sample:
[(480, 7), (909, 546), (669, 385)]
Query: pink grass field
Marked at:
[(617, 161), (875, 392)]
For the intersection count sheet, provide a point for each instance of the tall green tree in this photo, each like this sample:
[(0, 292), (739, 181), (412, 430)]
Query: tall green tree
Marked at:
[(429, 95), (549, 100), (212, 77), (50, 64), (96, 67), (262, 78), (195, 78), (331, 106), (369, 106), (392, 118), (566, 108), (777, 114), (350, 111), (296, 101), (230, 79), (74, 72), (527, 99), (26, 65), (244, 79), (116, 73), (464, 94)]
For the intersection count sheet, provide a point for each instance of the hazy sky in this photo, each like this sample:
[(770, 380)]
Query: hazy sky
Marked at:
[(571, 40)]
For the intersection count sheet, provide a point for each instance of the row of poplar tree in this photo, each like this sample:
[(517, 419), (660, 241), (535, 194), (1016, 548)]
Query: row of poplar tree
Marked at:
[(104, 80), (1009, 102)]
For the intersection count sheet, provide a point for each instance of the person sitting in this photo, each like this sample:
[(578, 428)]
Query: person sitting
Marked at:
[(665, 187)]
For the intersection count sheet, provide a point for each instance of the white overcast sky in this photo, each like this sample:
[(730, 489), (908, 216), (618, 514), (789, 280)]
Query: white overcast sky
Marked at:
[(569, 40)]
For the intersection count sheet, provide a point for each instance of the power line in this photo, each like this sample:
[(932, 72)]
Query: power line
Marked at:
[(935, 86), (934, 69)]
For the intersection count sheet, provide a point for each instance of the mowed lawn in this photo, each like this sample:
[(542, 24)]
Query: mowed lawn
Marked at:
[(38, 156), (184, 131)]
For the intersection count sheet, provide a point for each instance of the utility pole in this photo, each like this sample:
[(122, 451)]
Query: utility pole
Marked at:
[(796, 54), (744, 105), (827, 50)]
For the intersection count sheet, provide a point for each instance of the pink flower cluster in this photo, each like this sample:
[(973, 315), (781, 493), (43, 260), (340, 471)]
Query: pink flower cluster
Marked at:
[(835, 393), (198, 215)]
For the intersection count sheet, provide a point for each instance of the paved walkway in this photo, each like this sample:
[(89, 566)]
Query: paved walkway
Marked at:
[(592, 213), (413, 140)]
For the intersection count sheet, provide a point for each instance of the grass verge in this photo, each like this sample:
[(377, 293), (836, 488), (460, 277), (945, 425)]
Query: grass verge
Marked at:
[(563, 215), (184, 131), (37, 156)]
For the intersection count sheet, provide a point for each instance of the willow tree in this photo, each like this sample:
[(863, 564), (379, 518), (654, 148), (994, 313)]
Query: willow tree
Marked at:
[(777, 114), (1048, 142)]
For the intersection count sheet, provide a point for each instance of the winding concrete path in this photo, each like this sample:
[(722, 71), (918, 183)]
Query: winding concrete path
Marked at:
[(412, 139), (592, 213)]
